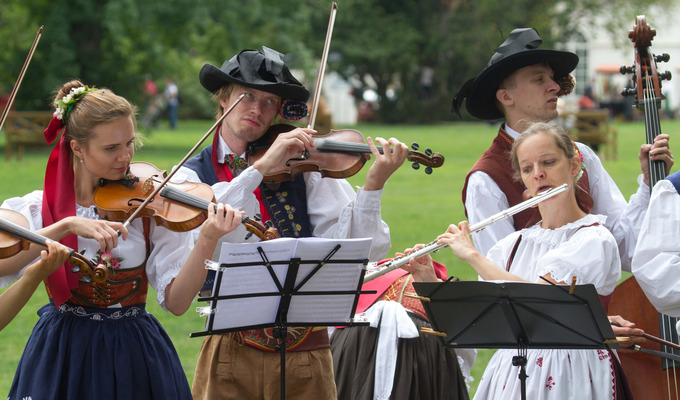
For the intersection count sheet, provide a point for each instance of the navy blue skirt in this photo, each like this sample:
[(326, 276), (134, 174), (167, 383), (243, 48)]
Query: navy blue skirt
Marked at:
[(85, 353)]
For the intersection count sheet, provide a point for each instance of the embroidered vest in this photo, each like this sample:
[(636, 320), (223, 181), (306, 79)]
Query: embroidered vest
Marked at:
[(398, 289), (495, 162), (124, 286)]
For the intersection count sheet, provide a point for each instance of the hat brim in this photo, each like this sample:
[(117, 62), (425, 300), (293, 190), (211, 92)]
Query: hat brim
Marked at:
[(481, 100), (213, 78)]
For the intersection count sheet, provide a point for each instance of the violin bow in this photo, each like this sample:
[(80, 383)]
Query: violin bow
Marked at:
[(15, 89), (322, 66), (189, 154)]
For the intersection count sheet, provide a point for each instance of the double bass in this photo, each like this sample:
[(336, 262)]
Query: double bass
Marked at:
[(649, 376)]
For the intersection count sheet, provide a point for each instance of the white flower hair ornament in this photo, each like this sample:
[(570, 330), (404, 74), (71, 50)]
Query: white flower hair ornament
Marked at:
[(66, 103)]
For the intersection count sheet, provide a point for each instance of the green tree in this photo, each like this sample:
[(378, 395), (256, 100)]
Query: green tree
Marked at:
[(384, 44), (377, 44)]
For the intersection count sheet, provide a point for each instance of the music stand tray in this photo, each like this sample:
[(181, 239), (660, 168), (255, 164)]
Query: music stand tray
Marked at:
[(516, 315), (285, 282)]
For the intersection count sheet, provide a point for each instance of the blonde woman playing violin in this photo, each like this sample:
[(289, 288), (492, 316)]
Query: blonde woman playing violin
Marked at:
[(95, 339)]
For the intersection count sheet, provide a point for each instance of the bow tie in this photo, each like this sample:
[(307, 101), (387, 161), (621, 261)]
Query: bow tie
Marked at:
[(235, 163)]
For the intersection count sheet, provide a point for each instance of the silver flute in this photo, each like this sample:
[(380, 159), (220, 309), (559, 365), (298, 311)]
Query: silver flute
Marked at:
[(374, 270)]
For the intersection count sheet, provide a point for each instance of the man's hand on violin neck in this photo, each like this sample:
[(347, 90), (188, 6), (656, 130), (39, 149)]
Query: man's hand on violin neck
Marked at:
[(386, 163)]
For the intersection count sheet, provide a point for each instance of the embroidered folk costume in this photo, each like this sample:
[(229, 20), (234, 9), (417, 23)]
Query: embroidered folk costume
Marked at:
[(96, 340), (244, 364)]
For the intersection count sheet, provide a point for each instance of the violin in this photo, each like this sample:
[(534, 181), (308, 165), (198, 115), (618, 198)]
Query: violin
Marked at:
[(15, 237), (179, 207), (118, 200), (339, 154), (650, 377)]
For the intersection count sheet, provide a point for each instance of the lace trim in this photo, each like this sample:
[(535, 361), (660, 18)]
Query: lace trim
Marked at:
[(556, 236), (79, 311)]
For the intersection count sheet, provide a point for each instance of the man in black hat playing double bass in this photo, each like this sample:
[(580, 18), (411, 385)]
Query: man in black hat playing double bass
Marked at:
[(521, 83), (244, 365)]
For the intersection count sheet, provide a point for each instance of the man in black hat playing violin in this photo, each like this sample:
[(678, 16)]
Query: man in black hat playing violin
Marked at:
[(307, 205)]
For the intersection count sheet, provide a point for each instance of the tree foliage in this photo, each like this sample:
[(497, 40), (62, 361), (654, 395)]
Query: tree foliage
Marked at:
[(378, 44)]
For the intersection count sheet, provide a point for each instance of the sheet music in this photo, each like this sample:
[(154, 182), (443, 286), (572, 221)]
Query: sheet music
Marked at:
[(261, 310)]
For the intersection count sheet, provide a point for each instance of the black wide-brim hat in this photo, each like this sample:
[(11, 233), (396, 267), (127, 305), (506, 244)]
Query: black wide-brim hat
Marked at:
[(519, 50), (258, 69)]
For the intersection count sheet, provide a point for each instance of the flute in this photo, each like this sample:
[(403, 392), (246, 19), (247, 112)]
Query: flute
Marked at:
[(374, 270)]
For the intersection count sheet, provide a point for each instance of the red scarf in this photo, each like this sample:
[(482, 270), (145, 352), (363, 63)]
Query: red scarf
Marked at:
[(224, 174), (59, 202)]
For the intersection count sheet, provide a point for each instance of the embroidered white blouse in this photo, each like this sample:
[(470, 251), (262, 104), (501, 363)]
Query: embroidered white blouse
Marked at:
[(577, 249)]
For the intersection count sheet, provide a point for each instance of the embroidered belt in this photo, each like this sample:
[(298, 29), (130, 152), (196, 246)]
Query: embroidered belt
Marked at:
[(100, 315), (124, 286), (396, 293), (298, 339)]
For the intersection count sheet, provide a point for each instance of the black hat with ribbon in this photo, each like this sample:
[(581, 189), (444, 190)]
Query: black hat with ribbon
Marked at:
[(258, 69), (519, 50)]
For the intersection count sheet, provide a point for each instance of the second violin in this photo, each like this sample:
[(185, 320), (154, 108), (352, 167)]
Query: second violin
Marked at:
[(339, 154)]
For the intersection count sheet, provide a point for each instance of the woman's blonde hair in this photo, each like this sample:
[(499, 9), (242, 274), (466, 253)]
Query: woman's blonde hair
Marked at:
[(94, 108)]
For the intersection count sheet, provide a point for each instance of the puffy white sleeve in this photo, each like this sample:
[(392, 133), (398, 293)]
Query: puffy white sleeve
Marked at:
[(623, 218), (169, 252), (591, 255), (656, 261), (336, 211), (483, 199), (30, 206)]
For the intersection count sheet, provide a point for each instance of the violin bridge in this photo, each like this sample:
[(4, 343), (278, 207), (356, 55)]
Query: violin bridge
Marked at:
[(148, 186)]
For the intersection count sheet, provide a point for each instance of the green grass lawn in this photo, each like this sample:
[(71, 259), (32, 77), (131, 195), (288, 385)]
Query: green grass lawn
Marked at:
[(417, 207)]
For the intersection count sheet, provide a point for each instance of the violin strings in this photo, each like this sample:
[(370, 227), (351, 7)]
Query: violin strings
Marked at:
[(184, 198)]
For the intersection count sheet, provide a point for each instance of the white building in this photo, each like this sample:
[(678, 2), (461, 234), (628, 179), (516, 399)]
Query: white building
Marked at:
[(601, 54)]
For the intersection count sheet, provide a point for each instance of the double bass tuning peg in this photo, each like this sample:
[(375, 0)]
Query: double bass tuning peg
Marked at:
[(628, 92), (662, 57), (627, 69)]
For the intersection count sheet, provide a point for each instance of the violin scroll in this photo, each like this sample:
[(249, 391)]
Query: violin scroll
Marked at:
[(255, 227), (429, 158), (88, 270)]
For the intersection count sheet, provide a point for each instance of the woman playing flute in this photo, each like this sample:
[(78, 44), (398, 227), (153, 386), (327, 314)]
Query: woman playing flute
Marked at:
[(567, 242)]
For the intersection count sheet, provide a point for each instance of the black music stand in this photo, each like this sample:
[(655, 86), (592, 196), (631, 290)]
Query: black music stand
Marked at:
[(515, 315), (275, 290)]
